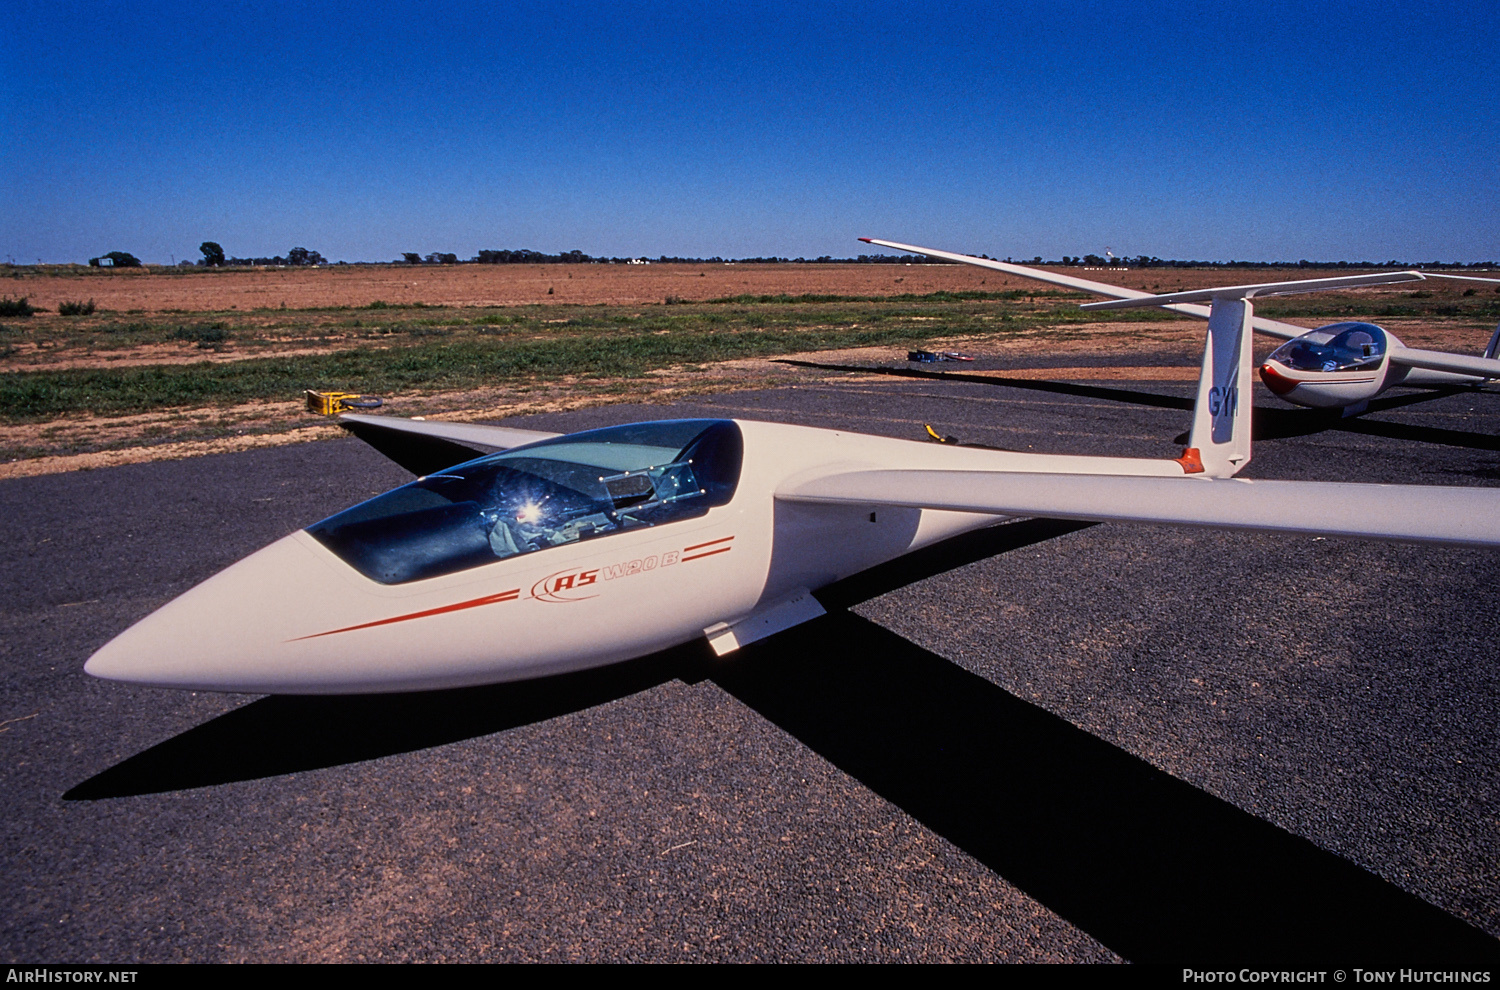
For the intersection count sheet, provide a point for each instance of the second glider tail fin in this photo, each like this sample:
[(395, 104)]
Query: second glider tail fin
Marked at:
[(1219, 444)]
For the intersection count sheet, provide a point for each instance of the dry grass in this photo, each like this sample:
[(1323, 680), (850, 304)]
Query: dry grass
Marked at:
[(163, 318)]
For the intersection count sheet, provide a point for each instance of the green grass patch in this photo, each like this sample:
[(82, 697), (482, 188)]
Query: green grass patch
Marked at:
[(388, 348), (212, 333), (427, 366)]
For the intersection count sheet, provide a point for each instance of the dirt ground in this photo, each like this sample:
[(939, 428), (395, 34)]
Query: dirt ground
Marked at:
[(158, 289), (1135, 356), (1134, 351)]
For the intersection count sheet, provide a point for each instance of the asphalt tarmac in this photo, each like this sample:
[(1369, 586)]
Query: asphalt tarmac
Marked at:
[(1043, 742)]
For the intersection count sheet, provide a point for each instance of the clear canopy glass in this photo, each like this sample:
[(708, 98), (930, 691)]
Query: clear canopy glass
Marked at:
[(1354, 347), (578, 487)]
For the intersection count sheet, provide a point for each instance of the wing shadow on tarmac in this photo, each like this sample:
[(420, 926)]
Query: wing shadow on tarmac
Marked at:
[(1156, 869), (1152, 867), (1268, 423)]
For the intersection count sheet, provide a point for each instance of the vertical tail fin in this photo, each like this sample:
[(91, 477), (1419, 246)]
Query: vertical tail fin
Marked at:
[(1221, 414), (1219, 445)]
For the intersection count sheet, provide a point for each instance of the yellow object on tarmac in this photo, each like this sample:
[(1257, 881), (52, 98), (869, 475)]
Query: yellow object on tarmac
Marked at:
[(333, 403)]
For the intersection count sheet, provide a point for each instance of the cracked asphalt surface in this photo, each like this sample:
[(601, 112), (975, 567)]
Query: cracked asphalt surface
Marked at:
[(1046, 742)]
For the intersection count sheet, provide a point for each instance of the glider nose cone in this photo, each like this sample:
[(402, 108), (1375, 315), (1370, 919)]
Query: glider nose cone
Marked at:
[(1275, 380), (230, 632)]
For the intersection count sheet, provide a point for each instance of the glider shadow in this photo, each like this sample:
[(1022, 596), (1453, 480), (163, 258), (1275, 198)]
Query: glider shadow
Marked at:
[(1268, 424), (1056, 388), (283, 734), (1154, 868)]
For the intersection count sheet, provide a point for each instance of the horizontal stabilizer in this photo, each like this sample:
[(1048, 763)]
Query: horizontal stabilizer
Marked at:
[(1465, 516), (423, 447), (1273, 328), (1259, 290)]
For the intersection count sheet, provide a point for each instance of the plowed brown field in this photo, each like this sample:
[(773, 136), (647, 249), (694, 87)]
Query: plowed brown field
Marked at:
[(154, 290)]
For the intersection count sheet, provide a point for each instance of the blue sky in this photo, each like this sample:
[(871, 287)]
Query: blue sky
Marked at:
[(1184, 130)]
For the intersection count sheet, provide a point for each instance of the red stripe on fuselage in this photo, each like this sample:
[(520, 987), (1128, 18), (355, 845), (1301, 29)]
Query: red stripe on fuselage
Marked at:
[(700, 546), (504, 596), (700, 556), (707, 553)]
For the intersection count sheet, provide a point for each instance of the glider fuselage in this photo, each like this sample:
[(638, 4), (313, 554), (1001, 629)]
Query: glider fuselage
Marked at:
[(297, 617)]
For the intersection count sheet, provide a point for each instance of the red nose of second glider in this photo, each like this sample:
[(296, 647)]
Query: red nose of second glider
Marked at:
[(1275, 380)]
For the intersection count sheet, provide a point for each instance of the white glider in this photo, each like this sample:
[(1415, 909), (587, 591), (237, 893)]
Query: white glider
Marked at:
[(562, 553), (1339, 366)]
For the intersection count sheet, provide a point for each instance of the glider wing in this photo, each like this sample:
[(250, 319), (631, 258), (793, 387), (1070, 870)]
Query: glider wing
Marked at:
[(1464, 516), (424, 447), (1275, 328)]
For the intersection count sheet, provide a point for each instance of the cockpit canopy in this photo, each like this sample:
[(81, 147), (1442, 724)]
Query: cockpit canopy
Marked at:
[(577, 487), (1353, 347)]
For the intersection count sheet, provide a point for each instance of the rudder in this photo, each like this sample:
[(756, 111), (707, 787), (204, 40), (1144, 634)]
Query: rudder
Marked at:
[(1221, 413)]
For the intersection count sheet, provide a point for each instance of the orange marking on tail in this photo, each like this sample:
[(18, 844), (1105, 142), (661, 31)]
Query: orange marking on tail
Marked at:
[(1191, 461)]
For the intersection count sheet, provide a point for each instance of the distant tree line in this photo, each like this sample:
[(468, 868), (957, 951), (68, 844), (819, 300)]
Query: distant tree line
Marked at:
[(528, 257), (214, 257)]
